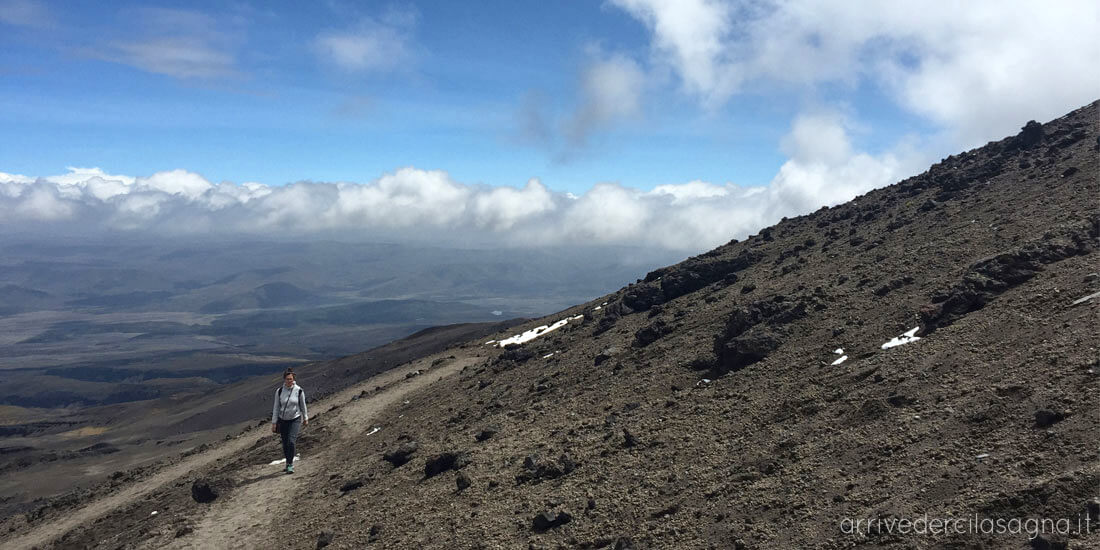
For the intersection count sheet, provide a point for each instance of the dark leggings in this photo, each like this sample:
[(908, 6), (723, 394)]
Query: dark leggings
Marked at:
[(288, 432)]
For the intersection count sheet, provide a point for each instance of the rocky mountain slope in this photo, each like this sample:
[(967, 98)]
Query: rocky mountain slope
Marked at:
[(761, 395)]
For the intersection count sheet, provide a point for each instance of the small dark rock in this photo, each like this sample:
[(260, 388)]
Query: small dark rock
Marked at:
[(351, 485), (1069, 171), (651, 333), (929, 205), (628, 439), (1092, 508), (1046, 542), (444, 463), (401, 454), (462, 481), (606, 354), (204, 490), (1045, 418), (184, 531), (325, 538), (549, 520), (486, 433)]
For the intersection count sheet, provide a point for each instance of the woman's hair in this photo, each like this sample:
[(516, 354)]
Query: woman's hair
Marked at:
[(289, 372)]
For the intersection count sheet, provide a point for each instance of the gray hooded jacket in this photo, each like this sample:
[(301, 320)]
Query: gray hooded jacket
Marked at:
[(289, 404)]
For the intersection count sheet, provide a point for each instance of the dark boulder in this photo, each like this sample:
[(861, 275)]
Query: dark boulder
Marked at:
[(606, 354), (351, 485), (207, 490), (401, 454), (1030, 136), (537, 469), (642, 296), (652, 332), (325, 538), (549, 520), (462, 482), (445, 463), (486, 433), (1045, 418)]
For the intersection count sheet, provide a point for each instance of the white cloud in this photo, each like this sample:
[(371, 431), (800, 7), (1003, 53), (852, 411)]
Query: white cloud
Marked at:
[(611, 91), (691, 191), (974, 68), (370, 46), (691, 36), (178, 57), (176, 182), (415, 204), (184, 44), (501, 208)]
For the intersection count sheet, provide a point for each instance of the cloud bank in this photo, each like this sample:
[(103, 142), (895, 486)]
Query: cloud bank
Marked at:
[(416, 205), (961, 65)]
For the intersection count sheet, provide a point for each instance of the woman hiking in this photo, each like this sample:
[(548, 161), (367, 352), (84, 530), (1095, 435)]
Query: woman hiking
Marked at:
[(289, 415)]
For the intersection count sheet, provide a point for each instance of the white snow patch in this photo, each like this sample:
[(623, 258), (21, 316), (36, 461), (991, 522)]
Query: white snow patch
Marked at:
[(497, 312), (153, 513), (490, 342), (842, 359), (981, 456), (839, 351), (537, 331), (597, 308), (548, 355), (910, 336), (283, 460), (1085, 299), (374, 431)]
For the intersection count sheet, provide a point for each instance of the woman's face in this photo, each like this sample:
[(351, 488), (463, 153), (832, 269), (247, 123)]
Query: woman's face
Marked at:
[(288, 380)]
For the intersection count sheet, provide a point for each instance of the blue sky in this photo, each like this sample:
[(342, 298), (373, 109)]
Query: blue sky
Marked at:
[(645, 94), (282, 113)]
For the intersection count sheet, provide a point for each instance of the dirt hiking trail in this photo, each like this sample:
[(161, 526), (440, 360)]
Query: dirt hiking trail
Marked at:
[(263, 490)]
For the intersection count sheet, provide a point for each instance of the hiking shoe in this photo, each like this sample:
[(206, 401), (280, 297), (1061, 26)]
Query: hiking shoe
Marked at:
[(290, 469)]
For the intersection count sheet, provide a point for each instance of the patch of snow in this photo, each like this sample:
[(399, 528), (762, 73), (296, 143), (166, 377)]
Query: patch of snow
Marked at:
[(839, 351), (537, 332), (153, 513), (490, 342), (374, 431), (1085, 299), (909, 337), (842, 359), (604, 304), (497, 312), (548, 355), (981, 456), (597, 308), (282, 460)]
